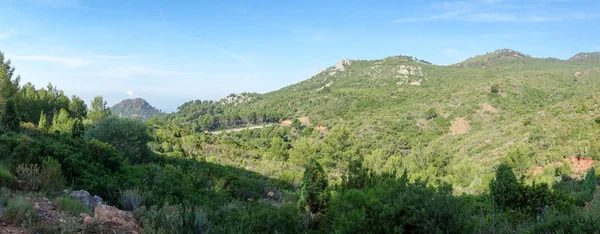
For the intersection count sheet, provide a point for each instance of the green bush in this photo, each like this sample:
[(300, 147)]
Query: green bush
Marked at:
[(397, 206), (71, 205), (431, 114), (5, 195), (19, 211), (495, 88), (128, 136), (131, 199), (53, 180), (7, 179), (597, 120)]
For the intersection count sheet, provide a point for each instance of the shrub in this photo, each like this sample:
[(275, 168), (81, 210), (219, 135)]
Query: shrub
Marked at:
[(495, 88), (7, 179), (71, 205), (195, 220), (128, 136), (131, 199), (20, 211), (4, 197), (29, 174), (431, 114), (597, 120), (53, 180)]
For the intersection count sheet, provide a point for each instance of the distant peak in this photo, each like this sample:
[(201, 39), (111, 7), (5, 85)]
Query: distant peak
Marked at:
[(510, 53), (585, 56)]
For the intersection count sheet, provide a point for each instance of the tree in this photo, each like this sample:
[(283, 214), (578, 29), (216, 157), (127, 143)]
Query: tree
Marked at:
[(431, 114), (129, 136), (296, 123), (77, 108), (337, 146), (313, 193), (278, 150), (8, 86), (10, 117), (99, 110), (505, 189), (62, 122), (77, 128), (495, 88), (589, 185), (43, 122)]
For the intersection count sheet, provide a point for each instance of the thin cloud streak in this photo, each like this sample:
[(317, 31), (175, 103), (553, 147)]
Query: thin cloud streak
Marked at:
[(75, 62), (112, 57), (496, 11)]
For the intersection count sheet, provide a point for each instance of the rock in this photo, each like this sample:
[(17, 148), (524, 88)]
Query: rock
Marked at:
[(342, 64), (271, 194), (87, 199), (108, 219)]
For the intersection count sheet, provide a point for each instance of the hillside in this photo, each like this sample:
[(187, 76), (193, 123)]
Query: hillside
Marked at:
[(432, 109), (135, 108), (501, 143)]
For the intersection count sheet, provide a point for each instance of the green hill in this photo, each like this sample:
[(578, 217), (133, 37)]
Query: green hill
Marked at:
[(500, 143), (407, 112), (135, 108)]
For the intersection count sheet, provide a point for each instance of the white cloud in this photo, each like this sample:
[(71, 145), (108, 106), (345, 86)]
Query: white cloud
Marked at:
[(131, 93), (74, 62)]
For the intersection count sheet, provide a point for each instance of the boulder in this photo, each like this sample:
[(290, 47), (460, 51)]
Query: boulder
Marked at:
[(86, 198), (109, 219)]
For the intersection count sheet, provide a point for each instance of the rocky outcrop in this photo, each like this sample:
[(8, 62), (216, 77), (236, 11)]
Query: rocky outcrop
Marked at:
[(86, 198), (342, 64), (108, 219)]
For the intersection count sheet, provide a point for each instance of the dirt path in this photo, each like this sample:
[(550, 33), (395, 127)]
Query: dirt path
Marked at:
[(242, 129)]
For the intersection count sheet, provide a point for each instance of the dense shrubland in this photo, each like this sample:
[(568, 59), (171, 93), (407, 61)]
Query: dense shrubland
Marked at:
[(388, 161)]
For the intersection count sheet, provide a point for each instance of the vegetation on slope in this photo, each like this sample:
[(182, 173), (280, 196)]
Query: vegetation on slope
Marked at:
[(391, 145)]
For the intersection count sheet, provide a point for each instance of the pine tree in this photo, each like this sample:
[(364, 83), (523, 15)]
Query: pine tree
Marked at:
[(43, 122), (313, 193), (589, 184), (77, 128), (99, 110), (8, 86), (506, 189), (62, 123), (10, 117), (77, 108)]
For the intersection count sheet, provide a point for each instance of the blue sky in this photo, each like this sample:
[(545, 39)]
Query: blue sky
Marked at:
[(169, 52)]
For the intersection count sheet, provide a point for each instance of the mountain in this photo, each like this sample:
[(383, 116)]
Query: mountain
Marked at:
[(135, 108), (457, 122)]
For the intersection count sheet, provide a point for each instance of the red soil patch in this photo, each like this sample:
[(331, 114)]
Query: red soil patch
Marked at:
[(286, 123), (581, 165), (460, 126), (538, 170), (322, 129), (304, 120)]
